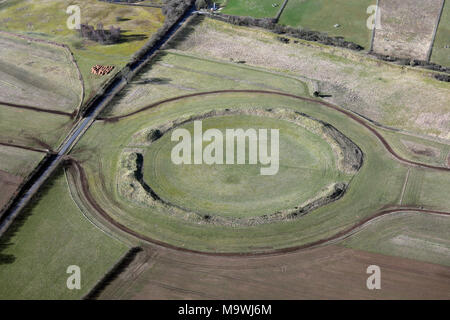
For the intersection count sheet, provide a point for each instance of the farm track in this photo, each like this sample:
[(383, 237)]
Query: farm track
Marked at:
[(37, 109), (24, 147), (332, 239), (326, 104)]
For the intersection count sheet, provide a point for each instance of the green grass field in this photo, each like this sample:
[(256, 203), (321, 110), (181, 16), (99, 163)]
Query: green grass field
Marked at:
[(174, 73), (378, 183), (420, 149), (307, 166), (322, 15), (440, 54), (30, 128), (54, 235), (252, 8)]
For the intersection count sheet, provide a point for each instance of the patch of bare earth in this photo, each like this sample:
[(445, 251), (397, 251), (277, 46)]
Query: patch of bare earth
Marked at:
[(421, 149), (391, 95), (331, 272), (406, 27), (8, 185)]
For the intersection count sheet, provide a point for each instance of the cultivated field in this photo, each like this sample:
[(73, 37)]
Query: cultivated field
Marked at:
[(407, 27), (52, 235), (323, 15), (395, 96), (441, 47), (410, 235), (331, 272)]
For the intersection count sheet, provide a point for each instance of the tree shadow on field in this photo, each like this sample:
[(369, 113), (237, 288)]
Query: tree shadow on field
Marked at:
[(184, 33), (140, 79), (130, 37), (7, 240), (153, 81)]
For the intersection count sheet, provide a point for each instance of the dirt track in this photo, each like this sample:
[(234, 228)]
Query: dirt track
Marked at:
[(23, 147), (338, 236), (37, 109), (326, 104)]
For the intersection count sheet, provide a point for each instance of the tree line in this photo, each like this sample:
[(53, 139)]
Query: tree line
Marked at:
[(101, 35)]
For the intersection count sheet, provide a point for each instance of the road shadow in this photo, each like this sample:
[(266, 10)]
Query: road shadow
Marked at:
[(184, 32), (158, 81), (7, 240)]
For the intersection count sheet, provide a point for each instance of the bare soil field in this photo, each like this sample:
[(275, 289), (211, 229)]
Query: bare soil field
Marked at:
[(394, 96), (321, 273), (8, 185), (407, 27)]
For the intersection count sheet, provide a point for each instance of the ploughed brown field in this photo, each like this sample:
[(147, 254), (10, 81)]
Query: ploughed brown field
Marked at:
[(331, 272), (8, 185)]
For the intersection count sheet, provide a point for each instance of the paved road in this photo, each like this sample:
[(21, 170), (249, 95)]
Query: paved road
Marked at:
[(96, 108)]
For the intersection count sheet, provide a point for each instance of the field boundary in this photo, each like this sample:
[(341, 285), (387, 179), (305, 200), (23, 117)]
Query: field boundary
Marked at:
[(112, 273), (12, 145), (37, 109), (280, 12), (378, 11), (430, 50)]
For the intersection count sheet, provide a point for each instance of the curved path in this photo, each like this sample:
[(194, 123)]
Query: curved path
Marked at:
[(336, 237), (326, 104)]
